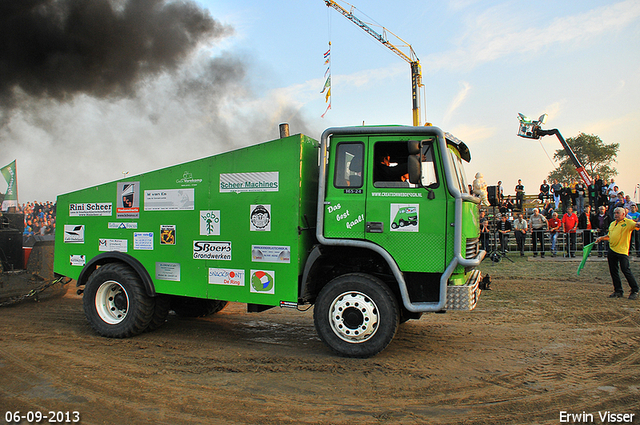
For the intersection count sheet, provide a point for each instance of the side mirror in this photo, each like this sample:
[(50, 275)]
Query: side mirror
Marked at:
[(414, 167), (414, 147)]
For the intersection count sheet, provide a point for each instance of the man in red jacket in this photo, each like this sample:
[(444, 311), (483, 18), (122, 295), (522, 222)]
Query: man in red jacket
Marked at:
[(554, 226), (570, 224)]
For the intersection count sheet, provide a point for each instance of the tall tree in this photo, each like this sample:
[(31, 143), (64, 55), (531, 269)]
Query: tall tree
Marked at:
[(596, 157)]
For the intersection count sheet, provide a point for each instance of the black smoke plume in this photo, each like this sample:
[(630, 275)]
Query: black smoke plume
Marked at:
[(93, 89), (60, 48)]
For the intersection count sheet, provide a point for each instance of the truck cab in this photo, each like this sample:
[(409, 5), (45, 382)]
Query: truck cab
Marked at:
[(393, 206)]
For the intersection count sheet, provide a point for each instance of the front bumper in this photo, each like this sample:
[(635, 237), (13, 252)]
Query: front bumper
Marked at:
[(464, 297)]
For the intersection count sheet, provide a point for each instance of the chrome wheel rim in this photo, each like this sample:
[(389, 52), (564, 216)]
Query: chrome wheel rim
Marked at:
[(354, 317), (112, 302)]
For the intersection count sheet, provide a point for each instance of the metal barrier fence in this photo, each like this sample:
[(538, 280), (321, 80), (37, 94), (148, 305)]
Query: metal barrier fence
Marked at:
[(583, 237)]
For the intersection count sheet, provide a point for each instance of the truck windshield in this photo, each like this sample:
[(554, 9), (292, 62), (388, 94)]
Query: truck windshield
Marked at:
[(460, 179)]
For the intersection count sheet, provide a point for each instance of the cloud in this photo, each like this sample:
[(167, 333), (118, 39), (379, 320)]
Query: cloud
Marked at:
[(498, 33), (627, 122), (474, 135), (457, 101), (555, 109), (370, 76)]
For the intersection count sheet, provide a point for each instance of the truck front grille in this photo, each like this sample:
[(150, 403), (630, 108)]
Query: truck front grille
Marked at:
[(473, 246)]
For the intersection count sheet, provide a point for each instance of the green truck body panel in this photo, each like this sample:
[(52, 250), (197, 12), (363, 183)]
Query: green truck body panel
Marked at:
[(237, 226), (240, 226)]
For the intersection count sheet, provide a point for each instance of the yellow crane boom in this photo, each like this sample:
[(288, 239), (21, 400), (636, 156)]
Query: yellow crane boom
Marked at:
[(411, 58)]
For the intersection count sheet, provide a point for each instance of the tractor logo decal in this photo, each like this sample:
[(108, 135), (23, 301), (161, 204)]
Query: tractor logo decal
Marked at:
[(404, 217)]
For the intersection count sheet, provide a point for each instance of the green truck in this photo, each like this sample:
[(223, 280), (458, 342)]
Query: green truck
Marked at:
[(291, 222)]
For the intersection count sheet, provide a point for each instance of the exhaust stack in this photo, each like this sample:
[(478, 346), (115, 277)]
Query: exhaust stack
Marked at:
[(284, 130)]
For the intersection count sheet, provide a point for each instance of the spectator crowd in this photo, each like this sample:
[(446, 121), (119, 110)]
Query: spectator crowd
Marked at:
[(39, 218), (562, 211)]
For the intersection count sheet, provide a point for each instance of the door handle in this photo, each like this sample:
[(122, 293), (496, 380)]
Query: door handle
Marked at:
[(374, 227)]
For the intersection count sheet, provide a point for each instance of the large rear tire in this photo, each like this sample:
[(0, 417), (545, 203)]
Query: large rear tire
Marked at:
[(356, 315), (160, 312), (115, 301)]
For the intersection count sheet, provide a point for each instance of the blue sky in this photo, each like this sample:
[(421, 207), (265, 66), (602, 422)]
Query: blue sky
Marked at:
[(482, 62)]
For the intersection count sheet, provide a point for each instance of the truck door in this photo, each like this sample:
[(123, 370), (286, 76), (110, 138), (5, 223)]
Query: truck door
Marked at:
[(408, 220), (346, 191)]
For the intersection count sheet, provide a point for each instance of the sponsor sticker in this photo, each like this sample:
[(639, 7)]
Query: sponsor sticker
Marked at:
[(260, 218), (167, 234), (169, 200), (249, 182), (143, 241), (263, 281), (112, 245), (91, 209), (398, 194), (404, 217), (187, 180), (128, 204), (226, 277), (210, 250), (77, 260), (73, 233), (270, 254), (210, 223), (122, 225), (168, 271)]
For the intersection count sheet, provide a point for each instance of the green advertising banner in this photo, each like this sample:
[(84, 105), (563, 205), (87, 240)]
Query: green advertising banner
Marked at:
[(11, 195)]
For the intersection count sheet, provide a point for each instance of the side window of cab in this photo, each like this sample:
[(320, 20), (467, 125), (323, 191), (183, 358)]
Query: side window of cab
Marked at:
[(429, 175), (349, 165), (390, 168)]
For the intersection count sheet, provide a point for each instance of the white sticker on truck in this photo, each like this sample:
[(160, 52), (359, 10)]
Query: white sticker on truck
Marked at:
[(169, 200), (77, 260), (226, 277), (210, 223), (263, 282), (249, 182), (260, 218), (143, 240), (168, 271), (270, 254), (73, 233), (122, 225), (210, 250), (112, 245), (91, 209)]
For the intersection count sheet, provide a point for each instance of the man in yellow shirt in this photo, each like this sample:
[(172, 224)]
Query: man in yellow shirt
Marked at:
[(619, 237)]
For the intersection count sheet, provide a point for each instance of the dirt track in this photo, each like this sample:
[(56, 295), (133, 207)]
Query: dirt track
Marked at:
[(535, 346)]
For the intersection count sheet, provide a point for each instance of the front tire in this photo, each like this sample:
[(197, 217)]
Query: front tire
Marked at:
[(116, 303), (356, 315)]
